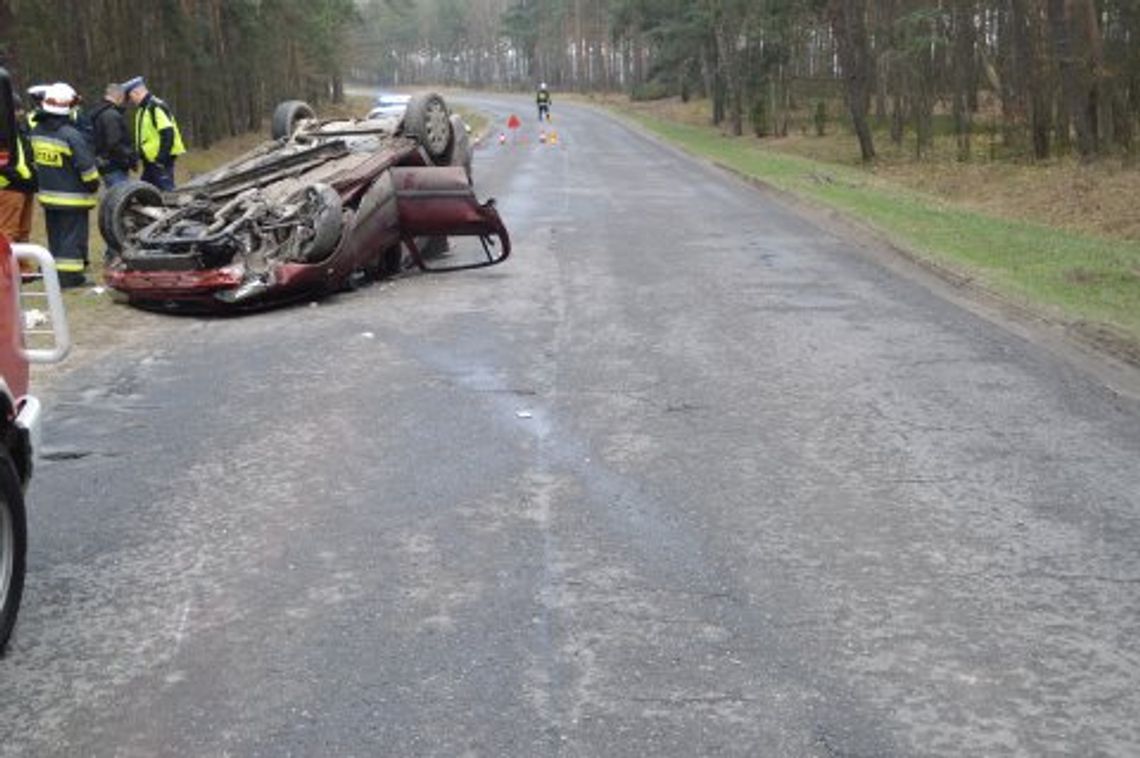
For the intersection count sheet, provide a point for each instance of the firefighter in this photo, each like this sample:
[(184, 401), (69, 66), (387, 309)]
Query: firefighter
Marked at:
[(35, 100), (78, 117), (18, 185), (68, 181), (158, 140), (543, 99)]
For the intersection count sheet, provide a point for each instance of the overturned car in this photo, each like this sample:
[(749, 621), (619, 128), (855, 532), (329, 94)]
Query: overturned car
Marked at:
[(325, 204)]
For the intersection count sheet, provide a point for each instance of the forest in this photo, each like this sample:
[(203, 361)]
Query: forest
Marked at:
[(1047, 77), (222, 64)]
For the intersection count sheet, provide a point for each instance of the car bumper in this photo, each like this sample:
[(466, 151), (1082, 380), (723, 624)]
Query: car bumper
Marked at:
[(222, 289), (29, 422), (174, 285)]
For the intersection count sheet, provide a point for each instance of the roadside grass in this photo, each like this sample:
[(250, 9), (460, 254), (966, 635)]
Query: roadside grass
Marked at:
[(1079, 277)]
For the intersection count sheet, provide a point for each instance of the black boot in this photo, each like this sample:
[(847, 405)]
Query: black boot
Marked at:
[(70, 279)]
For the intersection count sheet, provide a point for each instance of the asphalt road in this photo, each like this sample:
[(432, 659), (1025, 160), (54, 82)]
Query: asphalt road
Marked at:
[(688, 475)]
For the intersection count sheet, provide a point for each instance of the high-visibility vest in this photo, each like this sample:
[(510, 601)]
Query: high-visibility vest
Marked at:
[(151, 118), (23, 168)]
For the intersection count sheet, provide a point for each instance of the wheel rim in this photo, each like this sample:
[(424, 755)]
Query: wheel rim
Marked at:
[(438, 128), (7, 553), (131, 221)]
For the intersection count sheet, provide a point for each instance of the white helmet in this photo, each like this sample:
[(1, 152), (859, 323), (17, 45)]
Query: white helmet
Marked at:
[(542, 86), (59, 98)]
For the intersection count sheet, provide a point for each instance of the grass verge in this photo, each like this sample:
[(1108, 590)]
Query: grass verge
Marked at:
[(1089, 282)]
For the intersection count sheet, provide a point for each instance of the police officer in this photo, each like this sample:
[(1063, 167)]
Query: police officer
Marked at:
[(158, 140), (17, 185), (68, 181)]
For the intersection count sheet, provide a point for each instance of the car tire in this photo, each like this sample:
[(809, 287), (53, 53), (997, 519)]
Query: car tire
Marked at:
[(461, 152), (13, 547), (428, 121), (114, 224), (287, 115), (328, 223)]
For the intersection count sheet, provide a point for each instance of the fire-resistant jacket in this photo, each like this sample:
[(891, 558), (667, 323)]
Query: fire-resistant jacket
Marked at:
[(65, 164), (18, 174), (157, 137)]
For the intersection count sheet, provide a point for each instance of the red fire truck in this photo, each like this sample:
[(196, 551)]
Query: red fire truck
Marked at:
[(33, 329)]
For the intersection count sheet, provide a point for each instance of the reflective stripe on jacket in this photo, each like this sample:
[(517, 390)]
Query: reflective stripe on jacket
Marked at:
[(65, 164), (19, 173), (152, 118)]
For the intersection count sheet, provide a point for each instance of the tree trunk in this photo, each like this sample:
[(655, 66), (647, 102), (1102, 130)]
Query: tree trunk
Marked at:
[(1031, 97), (965, 84), (898, 120), (1074, 90), (849, 22), (729, 58)]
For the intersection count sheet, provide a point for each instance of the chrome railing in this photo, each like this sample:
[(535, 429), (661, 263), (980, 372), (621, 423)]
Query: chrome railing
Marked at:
[(46, 337)]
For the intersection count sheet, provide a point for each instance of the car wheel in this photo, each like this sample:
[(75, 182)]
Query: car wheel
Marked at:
[(13, 546), (461, 153), (119, 212), (323, 206), (429, 122), (288, 115)]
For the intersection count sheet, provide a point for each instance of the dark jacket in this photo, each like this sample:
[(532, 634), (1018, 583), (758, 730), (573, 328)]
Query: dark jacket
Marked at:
[(114, 148), (65, 164)]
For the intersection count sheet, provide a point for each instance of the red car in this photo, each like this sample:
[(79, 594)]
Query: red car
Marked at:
[(324, 204), (19, 411)]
